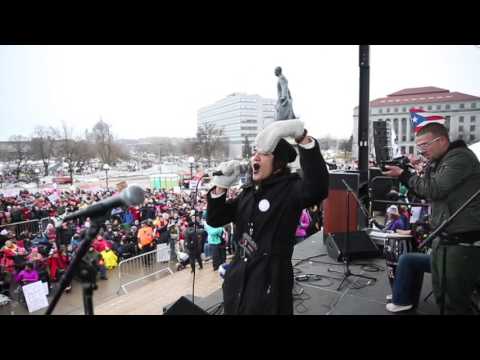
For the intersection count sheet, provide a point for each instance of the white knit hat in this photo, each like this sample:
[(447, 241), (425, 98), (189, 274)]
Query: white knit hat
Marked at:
[(393, 209)]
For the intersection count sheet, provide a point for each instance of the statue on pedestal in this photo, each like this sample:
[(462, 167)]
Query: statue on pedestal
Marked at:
[(283, 108)]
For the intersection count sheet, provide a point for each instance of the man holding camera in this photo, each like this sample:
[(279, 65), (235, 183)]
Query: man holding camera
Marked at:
[(259, 280), (451, 176)]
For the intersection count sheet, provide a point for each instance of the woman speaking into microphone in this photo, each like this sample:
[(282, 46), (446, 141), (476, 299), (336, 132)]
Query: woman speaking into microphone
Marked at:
[(259, 279)]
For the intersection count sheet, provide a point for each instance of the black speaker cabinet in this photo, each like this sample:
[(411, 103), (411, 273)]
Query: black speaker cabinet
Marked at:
[(381, 141), (360, 246), (183, 306)]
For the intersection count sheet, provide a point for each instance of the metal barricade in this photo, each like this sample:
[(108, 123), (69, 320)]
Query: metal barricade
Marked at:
[(18, 227), (44, 222), (143, 266), (32, 226)]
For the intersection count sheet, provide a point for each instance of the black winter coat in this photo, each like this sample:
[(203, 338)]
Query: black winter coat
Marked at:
[(263, 283)]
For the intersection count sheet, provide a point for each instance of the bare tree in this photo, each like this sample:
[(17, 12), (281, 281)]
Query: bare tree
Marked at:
[(21, 153), (346, 145), (83, 152), (327, 142), (43, 145), (75, 152), (210, 141)]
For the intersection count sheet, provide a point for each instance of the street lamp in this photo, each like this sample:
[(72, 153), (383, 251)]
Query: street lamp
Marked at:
[(106, 168), (191, 160)]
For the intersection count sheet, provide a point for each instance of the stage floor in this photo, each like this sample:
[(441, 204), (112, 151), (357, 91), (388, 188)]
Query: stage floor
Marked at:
[(322, 297)]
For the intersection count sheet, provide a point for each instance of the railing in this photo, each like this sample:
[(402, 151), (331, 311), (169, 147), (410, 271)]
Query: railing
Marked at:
[(33, 226), (143, 266)]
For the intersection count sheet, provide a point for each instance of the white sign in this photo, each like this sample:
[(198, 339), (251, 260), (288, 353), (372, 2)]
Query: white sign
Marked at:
[(193, 184), (54, 197), (416, 212), (36, 295), (163, 252)]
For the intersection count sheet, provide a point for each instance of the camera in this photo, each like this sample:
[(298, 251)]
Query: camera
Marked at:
[(402, 162)]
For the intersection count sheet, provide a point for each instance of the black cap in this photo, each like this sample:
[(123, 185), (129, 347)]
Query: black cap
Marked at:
[(285, 152)]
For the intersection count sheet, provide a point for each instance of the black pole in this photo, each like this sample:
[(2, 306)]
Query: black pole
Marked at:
[(363, 111), (195, 236)]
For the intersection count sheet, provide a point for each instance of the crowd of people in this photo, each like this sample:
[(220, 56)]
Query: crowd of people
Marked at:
[(43, 252)]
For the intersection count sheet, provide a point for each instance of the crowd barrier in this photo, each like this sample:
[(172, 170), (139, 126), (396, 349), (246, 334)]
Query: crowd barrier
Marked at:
[(143, 266)]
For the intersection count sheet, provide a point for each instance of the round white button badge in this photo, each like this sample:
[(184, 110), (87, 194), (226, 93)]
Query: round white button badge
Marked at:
[(263, 205)]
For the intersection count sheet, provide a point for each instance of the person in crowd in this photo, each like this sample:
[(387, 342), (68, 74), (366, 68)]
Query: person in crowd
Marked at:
[(316, 220), (146, 240), (100, 244), (394, 221), (304, 224), (194, 241), (214, 240), (95, 262), (28, 275), (7, 255)]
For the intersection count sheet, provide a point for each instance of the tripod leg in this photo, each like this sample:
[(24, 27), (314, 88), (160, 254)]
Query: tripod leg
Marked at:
[(343, 280), (426, 297)]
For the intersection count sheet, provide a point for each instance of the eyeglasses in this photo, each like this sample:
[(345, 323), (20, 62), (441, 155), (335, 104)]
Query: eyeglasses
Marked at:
[(427, 144)]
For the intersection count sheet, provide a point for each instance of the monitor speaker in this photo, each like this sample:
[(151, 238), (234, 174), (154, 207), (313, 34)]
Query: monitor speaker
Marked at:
[(183, 306), (359, 246)]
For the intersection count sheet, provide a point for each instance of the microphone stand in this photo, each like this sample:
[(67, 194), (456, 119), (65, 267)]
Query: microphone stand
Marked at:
[(445, 244), (346, 273), (195, 236), (88, 275)]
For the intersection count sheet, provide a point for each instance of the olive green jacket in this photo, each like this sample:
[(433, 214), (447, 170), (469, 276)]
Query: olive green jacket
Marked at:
[(447, 184)]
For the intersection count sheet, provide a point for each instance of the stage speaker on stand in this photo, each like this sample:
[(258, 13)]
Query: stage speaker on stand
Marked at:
[(382, 141)]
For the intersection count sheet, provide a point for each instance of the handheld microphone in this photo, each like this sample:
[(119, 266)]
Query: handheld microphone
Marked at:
[(243, 168), (132, 195)]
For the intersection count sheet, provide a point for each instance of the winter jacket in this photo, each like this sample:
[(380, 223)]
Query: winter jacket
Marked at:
[(447, 184), (304, 224), (214, 234), (109, 258), (194, 240), (263, 283), (27, 276)]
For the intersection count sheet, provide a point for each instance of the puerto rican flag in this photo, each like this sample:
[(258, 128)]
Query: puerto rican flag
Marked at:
[(420, 118)]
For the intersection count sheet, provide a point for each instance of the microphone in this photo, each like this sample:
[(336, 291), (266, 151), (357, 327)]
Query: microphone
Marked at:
[(132, 195), (243, 168)]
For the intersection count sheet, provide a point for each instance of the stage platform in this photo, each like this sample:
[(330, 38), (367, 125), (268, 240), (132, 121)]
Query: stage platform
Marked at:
[(322, 297), (319, 297)]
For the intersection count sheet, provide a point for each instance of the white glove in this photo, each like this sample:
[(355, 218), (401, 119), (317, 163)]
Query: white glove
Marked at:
[(231, 174), (267, 140)]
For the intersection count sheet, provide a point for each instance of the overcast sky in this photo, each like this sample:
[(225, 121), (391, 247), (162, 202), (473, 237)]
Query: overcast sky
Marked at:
[(156, 90)]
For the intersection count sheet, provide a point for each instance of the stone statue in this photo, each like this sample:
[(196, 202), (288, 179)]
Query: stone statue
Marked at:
[(284, 109)]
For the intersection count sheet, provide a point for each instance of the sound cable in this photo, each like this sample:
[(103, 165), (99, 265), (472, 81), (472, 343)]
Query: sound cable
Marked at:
[(299, 298)]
